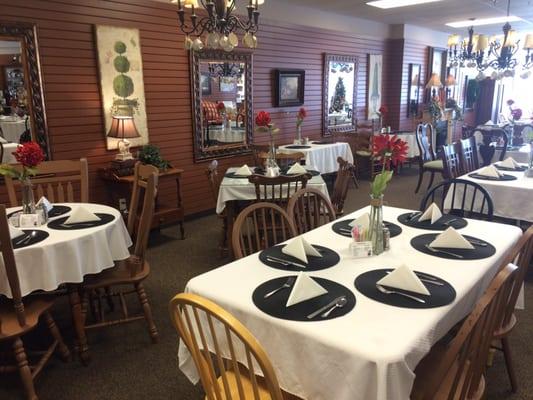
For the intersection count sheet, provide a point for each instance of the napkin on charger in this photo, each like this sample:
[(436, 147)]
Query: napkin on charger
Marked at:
[(81, 214), (489, 123), (432, 212), (300, 248), (296, 169), (244, 171), (363, 220), (45, 203), (452, 239), (404, 278), (305, 288), (15, 232), (490, 171), (509, 162)]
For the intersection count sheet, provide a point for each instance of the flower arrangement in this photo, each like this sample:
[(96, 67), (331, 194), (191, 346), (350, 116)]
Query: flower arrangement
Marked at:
[(29, 155), (516, 113), (390, 151), (300, 117), (221, 108), (382, 112), (263, 123)]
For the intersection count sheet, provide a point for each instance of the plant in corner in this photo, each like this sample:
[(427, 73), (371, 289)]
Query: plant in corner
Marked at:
[(150, 154)]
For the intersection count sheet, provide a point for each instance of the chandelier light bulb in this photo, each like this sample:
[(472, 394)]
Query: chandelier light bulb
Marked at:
[(223, 41), (233, 39), (188, 43), (197, 44), (212, 40)]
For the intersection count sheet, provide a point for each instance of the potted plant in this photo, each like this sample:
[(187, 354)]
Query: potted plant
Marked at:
[(150, 154)]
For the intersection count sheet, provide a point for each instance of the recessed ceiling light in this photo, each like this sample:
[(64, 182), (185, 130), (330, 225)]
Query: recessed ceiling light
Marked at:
[(483, 21), (398, 3)]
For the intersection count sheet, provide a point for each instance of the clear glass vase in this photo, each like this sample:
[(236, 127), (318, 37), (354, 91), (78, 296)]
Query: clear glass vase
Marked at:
[(28, 201), (375, 230), (299, 134), (271, 159)]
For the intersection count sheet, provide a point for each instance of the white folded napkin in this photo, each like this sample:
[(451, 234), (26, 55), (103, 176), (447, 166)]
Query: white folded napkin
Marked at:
[(452, 239), (244, 171), (304, 288), (300, 249), (363, 221), (45, 203), (489, 122), (15, 232), (81, 214), (296, 169), (490, 171), (3, 140), (509, 162), (404, 278), (432, 212)]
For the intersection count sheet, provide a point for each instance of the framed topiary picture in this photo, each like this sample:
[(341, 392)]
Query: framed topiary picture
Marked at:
[(121, 79)]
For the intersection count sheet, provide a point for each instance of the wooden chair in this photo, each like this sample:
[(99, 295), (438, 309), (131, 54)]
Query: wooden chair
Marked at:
[(451, 160), (427, 161), (365, 130), (225, 353), (342, 182), (57, 180), (308, 209), (455, 371), (260, 226), (19, 316), (215, 179), (258, 149), (468, 199), (282, 159), (521, 255), (468, 156), (135, 269), (278, 190)]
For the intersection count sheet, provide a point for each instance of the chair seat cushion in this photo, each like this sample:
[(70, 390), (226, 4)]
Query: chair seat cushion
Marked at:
[(120, 273), (436, 164), (34, 307), (247, 387)]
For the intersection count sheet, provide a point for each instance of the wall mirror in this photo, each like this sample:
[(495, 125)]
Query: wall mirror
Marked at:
[(222, 103), (22, 112), (413, 92), (339, 92)]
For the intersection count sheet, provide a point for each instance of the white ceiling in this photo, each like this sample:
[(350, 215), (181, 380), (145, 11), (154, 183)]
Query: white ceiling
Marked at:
[(431, 15)]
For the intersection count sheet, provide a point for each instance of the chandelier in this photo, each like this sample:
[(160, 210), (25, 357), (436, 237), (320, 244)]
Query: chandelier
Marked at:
[(219, 25)]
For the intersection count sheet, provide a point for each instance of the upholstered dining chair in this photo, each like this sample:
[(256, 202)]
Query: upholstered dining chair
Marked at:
[(469, 155), (467, 199), (427, 161), (20, 315), (278, 190), (229, 359), (451, 160), (260, 226), (60, 181), (456, 370), (135, 269), (310, 208), (521, 255), (345, 172)]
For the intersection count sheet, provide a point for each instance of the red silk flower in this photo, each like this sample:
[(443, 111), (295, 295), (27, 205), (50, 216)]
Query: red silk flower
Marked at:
[(263, 119), (389, 149), (221, 106), (29, 154), (302, 113)]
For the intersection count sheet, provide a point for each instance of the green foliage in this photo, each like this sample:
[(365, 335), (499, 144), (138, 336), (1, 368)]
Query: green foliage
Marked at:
[(380, 182), (150, 154), (121, 64), (120, 47), (8, 170), (123, 86)]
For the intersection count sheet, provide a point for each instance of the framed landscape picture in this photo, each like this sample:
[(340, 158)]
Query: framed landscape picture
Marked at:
[(290, 87)]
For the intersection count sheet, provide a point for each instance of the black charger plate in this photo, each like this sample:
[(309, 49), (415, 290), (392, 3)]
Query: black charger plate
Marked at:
[(57, 224), (517, 169), (504, 177), (338, 227), (275, 305), (39, 237), (478, 253), (329, 259), (439, 225), (297, 146), (56, 211)]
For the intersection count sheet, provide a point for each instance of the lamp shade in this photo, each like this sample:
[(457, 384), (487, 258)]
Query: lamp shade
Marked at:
[(450, 81), (510, 41), (123, 128), (434, 81), (454, 40), (482, 43), (528, 41)]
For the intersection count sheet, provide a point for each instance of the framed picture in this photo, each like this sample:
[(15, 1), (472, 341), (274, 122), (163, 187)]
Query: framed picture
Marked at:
[(290, 87), (228, 84), (413, 91), (121, 79), (436, 65), (205, 84), (374, 96)]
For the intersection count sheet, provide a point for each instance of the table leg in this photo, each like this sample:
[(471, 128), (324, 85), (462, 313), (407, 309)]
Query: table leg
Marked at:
[(77, 319), (231, 214)]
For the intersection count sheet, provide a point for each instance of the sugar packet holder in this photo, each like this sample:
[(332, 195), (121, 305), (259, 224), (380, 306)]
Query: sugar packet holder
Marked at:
[(360, 247)]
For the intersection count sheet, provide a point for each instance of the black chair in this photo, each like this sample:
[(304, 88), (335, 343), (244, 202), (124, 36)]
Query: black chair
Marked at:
[(451, 160), (427, 160), (469, 158), (468, 199), (487, 148)]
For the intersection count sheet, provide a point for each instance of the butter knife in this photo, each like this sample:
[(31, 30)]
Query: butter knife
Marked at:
[(288, 262), (322, 309)]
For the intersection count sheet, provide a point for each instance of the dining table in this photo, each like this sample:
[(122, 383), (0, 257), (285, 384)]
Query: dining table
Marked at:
[(55, 254), (369, 349), (7, 156), (12, 128), (321, 156)]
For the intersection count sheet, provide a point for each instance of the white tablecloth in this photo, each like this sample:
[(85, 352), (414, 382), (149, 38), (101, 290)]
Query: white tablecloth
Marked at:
[(12, 130), (371, 352), (8, 157), (323, 157), (67, 256), (512, 199), (241, 189), (410, 138)]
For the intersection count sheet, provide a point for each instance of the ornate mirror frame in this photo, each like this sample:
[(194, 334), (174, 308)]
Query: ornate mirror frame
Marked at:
[(413, 102), (326, 129), (27, 34), (202, 153)]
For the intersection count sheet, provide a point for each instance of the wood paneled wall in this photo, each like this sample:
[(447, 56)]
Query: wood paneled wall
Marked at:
[(72, 95)]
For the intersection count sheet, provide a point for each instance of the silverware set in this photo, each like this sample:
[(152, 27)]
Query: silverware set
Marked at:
[(26, 239), (387, 291), (434, 250), (77, 224), (339, 302), (284, 262), (426, 279)]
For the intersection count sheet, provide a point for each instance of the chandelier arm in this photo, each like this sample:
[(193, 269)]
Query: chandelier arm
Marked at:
[(249, 26)]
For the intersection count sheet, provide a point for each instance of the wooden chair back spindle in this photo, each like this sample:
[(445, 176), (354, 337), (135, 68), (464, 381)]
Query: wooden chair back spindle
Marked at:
[(226, 354), (308, 209), (278, 190), (469, 155), (260, 226)]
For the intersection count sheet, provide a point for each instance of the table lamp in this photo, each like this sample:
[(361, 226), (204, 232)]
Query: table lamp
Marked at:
[(434, 82), (450, 81), (123, 128)]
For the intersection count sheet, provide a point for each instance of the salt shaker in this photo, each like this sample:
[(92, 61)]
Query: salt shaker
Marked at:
[(386, 238)]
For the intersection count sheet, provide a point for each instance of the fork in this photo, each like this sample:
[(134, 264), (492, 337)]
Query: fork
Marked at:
[(433, 250), (386, 291), (447, 223), (432, 281), (286, 285)]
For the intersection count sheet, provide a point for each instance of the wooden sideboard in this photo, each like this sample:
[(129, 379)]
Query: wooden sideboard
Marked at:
[(119, 187)]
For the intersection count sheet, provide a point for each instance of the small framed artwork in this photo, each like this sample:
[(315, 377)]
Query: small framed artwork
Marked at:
[(228, 84), (290, 87), (205, 84)]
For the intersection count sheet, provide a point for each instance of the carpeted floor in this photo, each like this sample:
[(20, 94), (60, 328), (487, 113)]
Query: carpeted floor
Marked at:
[(125, 365)]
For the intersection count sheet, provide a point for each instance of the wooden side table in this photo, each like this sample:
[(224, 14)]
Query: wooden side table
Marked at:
[(119, 187)]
